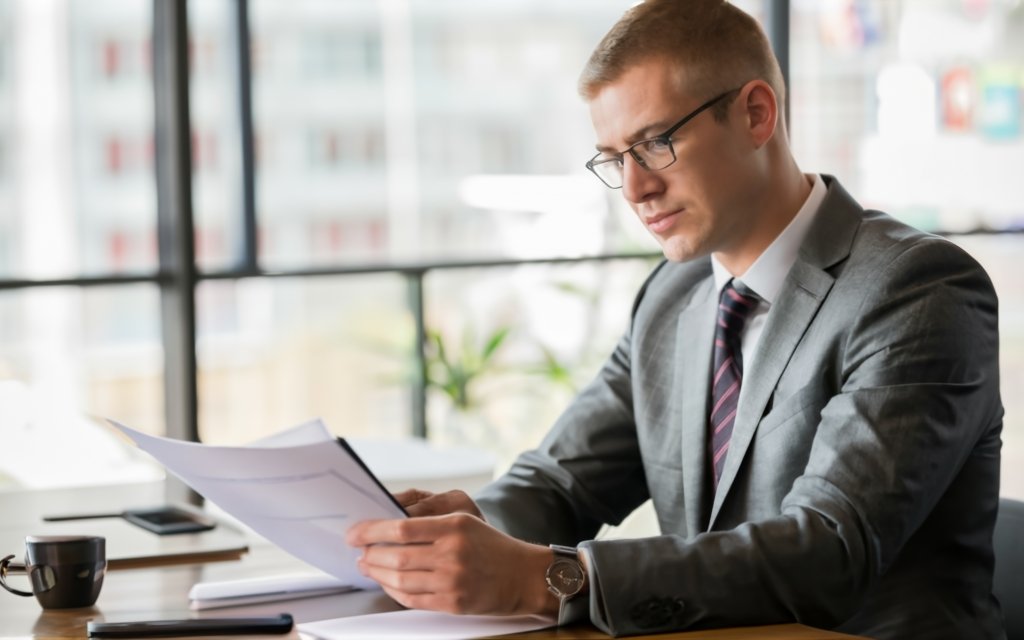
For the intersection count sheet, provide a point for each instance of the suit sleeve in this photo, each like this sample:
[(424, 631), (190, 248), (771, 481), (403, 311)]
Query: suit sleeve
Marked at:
[(918, 375)]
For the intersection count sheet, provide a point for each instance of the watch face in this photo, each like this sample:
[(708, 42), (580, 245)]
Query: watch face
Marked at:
[(565, 577)]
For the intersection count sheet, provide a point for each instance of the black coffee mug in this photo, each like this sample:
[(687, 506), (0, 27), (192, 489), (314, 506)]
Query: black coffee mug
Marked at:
[(64, 571)]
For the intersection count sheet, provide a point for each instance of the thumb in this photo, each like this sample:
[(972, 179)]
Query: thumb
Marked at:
[(410, 497), (444, 503)]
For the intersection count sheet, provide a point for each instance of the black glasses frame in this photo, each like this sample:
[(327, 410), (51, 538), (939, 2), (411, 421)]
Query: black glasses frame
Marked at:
[(664, 137)]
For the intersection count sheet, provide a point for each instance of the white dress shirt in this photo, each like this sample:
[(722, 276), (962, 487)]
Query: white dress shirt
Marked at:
[(766, 275)]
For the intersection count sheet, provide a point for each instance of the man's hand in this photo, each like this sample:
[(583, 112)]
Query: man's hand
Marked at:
[(424, 503), (455, 563)]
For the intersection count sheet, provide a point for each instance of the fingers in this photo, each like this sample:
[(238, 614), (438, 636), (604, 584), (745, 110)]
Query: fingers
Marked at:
[(410, 497), (443, 503), (406, 582), (418, 503), (418, 557), (446, 603), (423, 530), (416, 576)]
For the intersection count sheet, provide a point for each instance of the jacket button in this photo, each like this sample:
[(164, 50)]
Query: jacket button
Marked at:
[(657, 613)]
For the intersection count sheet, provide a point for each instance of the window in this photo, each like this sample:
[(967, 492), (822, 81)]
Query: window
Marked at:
[(390, 137), (69, 357), (77, 200)]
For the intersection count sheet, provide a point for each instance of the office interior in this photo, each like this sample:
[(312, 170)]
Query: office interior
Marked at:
[(222, 218)]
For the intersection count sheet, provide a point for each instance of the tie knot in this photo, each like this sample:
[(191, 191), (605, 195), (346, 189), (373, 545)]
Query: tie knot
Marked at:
[(734, 305)]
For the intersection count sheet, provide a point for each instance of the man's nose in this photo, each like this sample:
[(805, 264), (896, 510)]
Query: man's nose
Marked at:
[(639, 184)]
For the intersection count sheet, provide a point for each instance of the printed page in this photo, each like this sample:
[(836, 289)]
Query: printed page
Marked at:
[(413, 623), (302, 497)]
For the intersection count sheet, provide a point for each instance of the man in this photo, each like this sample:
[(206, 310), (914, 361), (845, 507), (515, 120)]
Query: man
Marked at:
[(807, 391)]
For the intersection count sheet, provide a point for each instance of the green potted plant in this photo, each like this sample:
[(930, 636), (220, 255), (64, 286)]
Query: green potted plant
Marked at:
[(455, 373)]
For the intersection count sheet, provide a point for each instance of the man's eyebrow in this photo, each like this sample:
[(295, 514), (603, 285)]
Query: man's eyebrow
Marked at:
[(648, 132)]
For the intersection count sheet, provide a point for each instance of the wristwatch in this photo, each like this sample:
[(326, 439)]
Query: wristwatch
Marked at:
[(565, 575)]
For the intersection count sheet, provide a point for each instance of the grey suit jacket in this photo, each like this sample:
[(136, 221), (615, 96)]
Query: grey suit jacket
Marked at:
[(861, 484)]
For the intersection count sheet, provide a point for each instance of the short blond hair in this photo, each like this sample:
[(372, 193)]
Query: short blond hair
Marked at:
[(715, 46)]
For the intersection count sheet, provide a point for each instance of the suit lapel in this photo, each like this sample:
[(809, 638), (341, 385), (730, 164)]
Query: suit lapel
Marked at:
[(807, 284), (696, 332)]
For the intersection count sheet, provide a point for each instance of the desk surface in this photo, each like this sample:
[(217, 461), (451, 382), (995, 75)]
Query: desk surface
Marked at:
[(161, 593)]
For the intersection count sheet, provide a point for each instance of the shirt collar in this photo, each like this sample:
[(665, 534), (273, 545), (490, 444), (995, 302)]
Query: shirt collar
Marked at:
[(766, 275)]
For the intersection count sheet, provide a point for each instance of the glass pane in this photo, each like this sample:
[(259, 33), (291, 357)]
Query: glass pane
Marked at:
[(8, 223), (417, 129), (70, 357), (510, 347), (915, 105), (276, 352), (216, 147), (77, 189)]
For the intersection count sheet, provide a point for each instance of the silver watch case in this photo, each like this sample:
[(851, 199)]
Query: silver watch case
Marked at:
[(565, 576)]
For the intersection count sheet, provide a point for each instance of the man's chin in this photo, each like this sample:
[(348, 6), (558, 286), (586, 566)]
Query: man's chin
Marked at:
[(676, 251)]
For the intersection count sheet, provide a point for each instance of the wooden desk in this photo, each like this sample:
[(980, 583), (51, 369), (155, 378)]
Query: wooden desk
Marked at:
[(161, 593), (149, 594)]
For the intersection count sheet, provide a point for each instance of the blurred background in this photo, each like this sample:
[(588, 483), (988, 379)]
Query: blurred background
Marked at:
[(388, 213)]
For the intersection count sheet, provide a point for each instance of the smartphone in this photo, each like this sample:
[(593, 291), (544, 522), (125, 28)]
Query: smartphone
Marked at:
[(191, 627), (169, 520)]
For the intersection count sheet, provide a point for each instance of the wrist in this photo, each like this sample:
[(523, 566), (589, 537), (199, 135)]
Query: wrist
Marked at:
[(541, 600)]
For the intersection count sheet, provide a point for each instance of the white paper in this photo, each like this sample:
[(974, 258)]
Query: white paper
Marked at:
[(234, 593), (414, 623), (302, 497), (309, 432)]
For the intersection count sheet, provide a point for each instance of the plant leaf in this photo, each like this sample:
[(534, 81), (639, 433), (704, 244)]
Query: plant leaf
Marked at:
[(496, 341)]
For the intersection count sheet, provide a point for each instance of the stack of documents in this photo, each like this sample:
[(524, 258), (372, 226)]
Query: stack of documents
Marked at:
[(236, 593), (301, 489)]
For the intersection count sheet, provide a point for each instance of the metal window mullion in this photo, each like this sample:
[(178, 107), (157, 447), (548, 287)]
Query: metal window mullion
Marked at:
[(174, 216), (418, 391), (243, 78)]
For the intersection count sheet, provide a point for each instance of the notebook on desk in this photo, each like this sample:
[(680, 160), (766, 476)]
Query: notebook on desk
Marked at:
[(130, 547)]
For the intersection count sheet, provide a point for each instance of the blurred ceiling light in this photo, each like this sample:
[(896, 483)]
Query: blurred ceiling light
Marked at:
[(540, 194), (561, 212)]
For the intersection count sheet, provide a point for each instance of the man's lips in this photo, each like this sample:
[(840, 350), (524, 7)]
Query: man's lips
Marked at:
[(661, 222)]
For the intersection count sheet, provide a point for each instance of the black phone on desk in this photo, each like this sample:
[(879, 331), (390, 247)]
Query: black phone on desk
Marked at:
[(163, 520), (191, 627), (167, 520)]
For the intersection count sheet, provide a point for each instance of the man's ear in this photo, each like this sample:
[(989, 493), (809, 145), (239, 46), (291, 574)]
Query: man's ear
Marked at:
[(761, 110)]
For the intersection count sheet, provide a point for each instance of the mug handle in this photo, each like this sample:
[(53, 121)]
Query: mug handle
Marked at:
[(5, 566)]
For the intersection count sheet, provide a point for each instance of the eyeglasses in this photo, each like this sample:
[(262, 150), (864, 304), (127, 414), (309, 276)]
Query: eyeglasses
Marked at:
[(653, 154)]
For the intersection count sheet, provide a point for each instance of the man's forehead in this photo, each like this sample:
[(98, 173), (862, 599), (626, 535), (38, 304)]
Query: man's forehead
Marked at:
[(635, 104), (654, 71)]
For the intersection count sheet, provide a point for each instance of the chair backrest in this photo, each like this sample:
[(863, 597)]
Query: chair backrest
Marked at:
[(1009, 575)]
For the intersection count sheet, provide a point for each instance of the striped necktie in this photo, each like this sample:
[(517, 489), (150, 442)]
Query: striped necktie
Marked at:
[(733, 309)]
